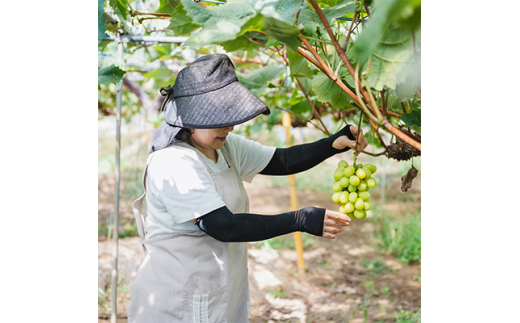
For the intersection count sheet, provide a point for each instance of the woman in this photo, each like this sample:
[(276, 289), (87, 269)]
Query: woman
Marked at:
[(198, 221)]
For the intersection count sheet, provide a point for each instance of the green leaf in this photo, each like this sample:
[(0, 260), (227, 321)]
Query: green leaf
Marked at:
[(181, 23), (310, 20), (158, 51), (119, 6), (284, 10), (389, 58), (279, 30), (298, 65), (224, 23), (328, 91), (102, 24), (386, 12), (408, 14), (301, 107), (409, 79), (241, 43), (109, 74), (219, 23), (167, 6), (161, 74), (413, 118), (261, 77)]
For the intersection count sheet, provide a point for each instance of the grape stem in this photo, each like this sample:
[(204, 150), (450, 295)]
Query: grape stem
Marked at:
[(357, 137)]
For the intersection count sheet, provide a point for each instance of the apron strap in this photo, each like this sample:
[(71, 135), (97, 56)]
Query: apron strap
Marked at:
[(137, 207)]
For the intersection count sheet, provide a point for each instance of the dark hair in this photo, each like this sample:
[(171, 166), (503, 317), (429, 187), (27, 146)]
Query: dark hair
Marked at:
[(184, 134)]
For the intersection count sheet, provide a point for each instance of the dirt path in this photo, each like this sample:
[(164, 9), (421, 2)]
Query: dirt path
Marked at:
[(344, 277)]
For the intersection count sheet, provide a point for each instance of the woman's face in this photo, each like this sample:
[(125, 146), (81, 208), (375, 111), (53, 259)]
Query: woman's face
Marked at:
[(209, 140)]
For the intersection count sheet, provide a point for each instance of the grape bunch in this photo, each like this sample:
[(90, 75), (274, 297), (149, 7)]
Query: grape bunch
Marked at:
[(351, 188)]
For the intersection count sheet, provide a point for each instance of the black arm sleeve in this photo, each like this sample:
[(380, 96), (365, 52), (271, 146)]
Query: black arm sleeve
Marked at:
[(295, 159), (225, 226)]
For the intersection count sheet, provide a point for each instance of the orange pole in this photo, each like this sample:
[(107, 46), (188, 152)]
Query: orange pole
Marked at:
[(286, 121)]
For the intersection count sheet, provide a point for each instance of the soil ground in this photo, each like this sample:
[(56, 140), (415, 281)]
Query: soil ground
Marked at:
[(346, 280)]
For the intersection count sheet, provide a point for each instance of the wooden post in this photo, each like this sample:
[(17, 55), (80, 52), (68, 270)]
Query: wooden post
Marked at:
[(286, 121)]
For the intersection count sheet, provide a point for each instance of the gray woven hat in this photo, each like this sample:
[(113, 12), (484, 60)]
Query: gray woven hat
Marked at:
[(206, 94)]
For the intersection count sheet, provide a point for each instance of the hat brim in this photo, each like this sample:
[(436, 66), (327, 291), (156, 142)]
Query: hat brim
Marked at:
[(227, 106)]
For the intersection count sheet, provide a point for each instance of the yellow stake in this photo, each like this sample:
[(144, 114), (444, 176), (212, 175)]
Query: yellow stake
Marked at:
[(286, 121)]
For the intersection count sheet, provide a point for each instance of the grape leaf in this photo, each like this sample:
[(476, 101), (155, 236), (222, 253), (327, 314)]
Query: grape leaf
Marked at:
[(310, 20), (298, 65), (328, 91), (413, 118), (279, 30), (219, 23), (242, 43), (102, 24), (261, 77), (109, 74), (281, 10), (119, 6), (163, 75), (181, 23), (301, 107), (386, 13), (389, 57), (167, 6)]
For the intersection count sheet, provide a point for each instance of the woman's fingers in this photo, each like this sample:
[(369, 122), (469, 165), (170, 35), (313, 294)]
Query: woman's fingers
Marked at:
[(333, 223), (362, 141), (337, 217)]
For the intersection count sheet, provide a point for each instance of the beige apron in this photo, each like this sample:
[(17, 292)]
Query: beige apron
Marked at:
[(192, 277)]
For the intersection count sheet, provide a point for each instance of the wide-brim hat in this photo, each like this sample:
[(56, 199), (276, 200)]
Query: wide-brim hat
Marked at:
[(206, 94)]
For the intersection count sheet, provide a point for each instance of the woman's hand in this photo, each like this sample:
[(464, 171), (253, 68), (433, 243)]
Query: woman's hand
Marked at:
[(333, 223), (343, 141)]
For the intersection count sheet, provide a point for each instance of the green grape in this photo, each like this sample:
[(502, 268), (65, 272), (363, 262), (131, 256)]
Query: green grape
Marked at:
[(360, 214), (349, 207), (342, 164), (372, 168), (362, 185), (337, 187), (338, 175), (354, 180), (368, 172), (364, 196), (342, 210), (371, 182), (343, 197), (344, 182), (351, 188), (351, 216), (360, 173), (349, 171), (368, 206), (352, 197), (360, 204), (335, 197)]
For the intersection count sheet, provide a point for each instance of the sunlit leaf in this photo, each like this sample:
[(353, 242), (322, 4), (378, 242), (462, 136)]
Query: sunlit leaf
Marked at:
[(281, 10), (219, 23)]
